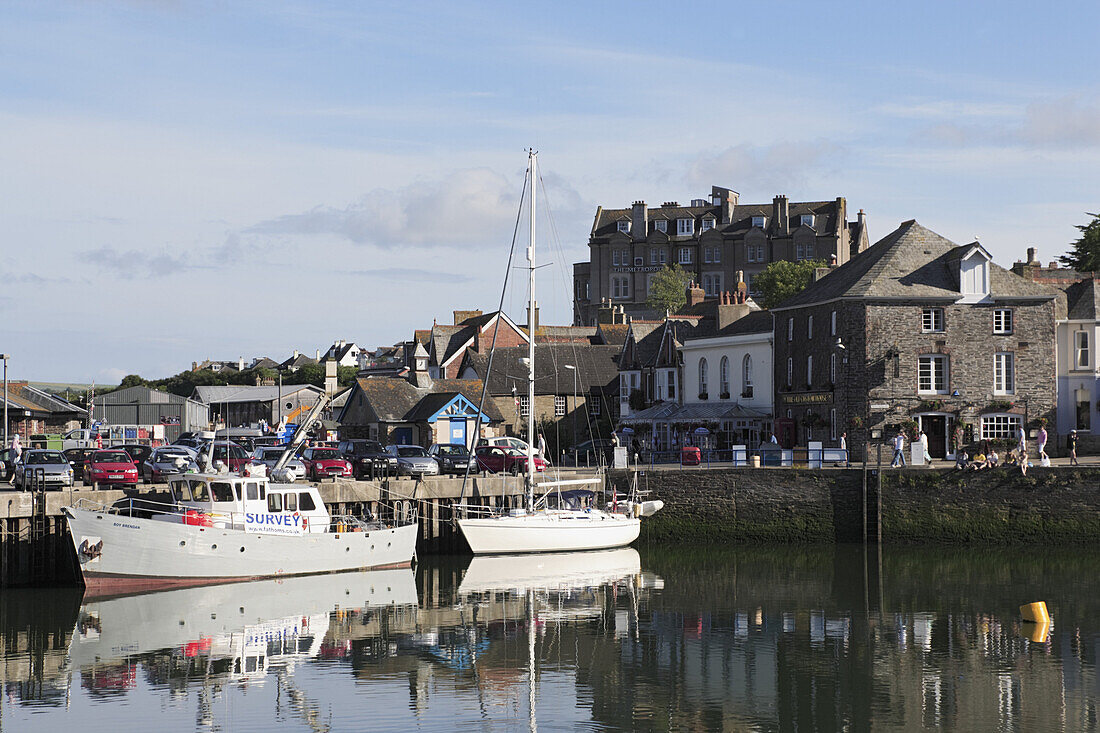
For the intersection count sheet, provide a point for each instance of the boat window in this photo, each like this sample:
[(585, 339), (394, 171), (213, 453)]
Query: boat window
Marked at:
[(263, 492), (199, 492), (306, 503), (291, 502), (223, 491), (252, 491), (274, 502), (181, 491), (237, 490)]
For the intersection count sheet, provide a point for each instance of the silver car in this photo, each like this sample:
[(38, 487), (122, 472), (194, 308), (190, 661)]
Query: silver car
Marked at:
[(269, 455), (55, 468), (413, 460), (167, 460)]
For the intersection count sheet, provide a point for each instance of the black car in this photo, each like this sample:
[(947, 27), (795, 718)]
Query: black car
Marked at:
[(77, 457), (451, 457), (7, 464), (367, 457), (139, 453)]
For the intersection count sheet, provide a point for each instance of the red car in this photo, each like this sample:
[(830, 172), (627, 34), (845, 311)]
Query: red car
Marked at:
[(110, 466), (498, 458), (324, 463)]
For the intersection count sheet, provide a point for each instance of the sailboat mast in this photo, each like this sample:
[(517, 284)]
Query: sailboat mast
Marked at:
[(531, 168)]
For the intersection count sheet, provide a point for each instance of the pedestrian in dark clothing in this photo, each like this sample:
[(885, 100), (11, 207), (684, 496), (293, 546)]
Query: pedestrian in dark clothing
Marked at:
[(1071, 446)]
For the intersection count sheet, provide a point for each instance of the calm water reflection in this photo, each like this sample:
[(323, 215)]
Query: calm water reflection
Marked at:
[(773, 638)]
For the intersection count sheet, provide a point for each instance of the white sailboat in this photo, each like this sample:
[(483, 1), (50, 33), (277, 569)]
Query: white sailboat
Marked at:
[(557, 520)]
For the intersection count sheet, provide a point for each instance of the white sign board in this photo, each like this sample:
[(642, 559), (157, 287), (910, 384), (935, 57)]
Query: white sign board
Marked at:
[(265, 523)]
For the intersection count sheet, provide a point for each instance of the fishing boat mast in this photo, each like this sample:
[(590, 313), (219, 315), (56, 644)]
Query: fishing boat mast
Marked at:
[(532, 162)]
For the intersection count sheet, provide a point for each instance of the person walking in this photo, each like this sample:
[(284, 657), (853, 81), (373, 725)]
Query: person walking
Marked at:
[(844, 447), (899, 451), (1042, 440), (1071, 446), (924, 447), (16, 447)]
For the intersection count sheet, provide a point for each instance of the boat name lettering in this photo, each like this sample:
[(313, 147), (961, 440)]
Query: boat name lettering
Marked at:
[(126, 526), (282, 520)]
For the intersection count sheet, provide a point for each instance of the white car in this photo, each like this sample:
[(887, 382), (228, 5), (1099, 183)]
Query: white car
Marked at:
[(269, 455), (514, 443)]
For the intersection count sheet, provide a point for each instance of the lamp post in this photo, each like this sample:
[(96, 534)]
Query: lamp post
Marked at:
[(573, 369), (5, 357)]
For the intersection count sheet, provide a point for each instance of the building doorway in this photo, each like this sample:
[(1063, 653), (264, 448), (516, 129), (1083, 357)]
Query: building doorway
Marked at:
[(937, 429)]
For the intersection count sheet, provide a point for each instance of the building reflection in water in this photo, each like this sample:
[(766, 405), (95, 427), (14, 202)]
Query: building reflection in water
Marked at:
[(771, 638)]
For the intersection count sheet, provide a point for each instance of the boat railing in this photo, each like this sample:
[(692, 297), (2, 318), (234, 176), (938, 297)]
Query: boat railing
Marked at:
[(341, 523)]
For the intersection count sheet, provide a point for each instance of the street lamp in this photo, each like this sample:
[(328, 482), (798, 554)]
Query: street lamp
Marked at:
[(573, 369), (5, 357)]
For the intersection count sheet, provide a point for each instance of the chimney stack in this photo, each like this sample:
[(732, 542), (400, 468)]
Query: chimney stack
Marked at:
[(726, 199), (240, 363), (1033, 257), (695, 294), (194, 366), (781, 214), (639, 221)]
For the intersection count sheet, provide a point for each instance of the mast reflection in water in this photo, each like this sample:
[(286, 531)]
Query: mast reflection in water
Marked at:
[(763, 638)]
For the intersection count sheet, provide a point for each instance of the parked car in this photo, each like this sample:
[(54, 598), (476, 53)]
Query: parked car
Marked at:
[(451, 457), (321, 463), (7, 464), (413, 460), (77, 457), (56, 471), (503, 459), (110, 466), (269, 455), (514, 443), (592, 451), (368, 457), (167, 460), (230, 454), (139, 453)]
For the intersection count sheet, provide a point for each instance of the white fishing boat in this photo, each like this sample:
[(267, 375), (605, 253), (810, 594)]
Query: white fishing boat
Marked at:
[(223, 528), (554, 521)]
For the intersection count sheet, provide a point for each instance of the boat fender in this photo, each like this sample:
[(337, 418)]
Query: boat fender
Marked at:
[(305, 523)]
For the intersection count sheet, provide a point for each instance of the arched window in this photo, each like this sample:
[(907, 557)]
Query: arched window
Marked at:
[(702, 376), (746, 376), (724, 376)]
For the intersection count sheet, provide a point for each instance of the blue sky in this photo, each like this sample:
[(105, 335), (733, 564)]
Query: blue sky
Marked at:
[(190, 180)]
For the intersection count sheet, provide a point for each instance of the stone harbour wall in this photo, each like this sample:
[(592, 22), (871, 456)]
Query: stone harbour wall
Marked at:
[(996, 507)]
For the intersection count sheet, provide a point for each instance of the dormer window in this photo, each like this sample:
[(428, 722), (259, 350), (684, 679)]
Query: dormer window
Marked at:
[(624, 226), (759, 221), (685, 227), (806, 220), (974, 276), (661, 224), (708, 224)]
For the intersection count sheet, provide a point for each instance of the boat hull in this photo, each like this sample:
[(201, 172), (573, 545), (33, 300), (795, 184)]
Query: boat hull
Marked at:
[(150, 554), (549, 532)]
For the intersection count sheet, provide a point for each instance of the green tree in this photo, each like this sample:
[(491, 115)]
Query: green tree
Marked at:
[(131, 380), (667, 289), (1085, 255), (781, 280)]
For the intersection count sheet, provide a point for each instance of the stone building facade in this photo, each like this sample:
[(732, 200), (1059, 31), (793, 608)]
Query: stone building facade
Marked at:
[(712, 238), (916, 333)]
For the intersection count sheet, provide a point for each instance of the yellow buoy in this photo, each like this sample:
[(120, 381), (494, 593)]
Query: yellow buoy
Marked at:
[(1035, 612)]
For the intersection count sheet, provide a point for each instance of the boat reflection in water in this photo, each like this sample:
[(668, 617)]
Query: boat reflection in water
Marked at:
[(237, 633)]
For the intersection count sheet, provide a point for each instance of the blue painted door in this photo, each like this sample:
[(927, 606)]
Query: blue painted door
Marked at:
[(458, 431)]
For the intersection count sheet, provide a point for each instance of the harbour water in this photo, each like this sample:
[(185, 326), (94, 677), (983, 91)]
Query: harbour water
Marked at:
[(771, 638)]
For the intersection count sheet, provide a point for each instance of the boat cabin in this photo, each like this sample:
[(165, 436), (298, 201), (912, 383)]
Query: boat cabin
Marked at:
[(249, 503)]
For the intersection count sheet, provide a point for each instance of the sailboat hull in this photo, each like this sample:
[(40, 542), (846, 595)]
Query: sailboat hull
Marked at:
[(549, 532)]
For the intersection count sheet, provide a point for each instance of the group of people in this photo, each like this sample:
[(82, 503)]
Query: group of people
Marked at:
[(987, 457), (898, 460)]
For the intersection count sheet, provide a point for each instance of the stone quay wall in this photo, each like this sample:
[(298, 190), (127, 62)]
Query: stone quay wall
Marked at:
[(996, 507)]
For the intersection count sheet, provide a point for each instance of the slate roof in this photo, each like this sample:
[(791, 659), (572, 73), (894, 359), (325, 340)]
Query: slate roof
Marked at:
[(596, 368), (647, 341), (22, 396), (613, 334), (563, 334), (212, 394), (297, 362), (394, 399), (1083, 300), (693, 412), (825, 217), (265, 363), (910, 263), (336, 352), (140, 394)]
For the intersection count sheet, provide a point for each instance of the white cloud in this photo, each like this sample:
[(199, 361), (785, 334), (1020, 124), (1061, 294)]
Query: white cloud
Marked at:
[(785, 166), (1068, 122)]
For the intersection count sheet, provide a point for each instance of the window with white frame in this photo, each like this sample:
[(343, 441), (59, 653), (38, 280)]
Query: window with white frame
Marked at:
[(671, 382), (712, 283), (594, 405), (746, 376), (809, 369), (724, 376), (832, 324), (659, 387), (750, 253), (790, 371), (790, 329), (653, 256), (615, 258), (708, 224), (1002, 320), (809, 327), (661, 225), (624, 226), (559, 405), (717, 254), (1004, 373), (524, 406), (706, 255), (806, 220), (624, 387), (932, 374), (1081, 356), (759, 221), (620, 287), (803, 251), (664, 256), (685, 255), (703, 376), (931, 320), (1000, 426), (685, 227)]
